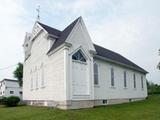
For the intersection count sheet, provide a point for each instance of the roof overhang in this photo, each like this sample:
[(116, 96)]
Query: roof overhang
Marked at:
[(118, 63), (65, 44)]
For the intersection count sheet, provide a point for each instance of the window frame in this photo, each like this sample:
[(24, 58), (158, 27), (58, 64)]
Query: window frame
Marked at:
[(79, 56), (142, 82), (125, 79), (31, 80), (112, 77), (36, 77), (134, 81), (96, 79), (11, 92), (42, 76)]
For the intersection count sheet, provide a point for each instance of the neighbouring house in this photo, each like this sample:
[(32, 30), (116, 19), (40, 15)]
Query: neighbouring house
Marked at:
[(65, 69), (10, 87)]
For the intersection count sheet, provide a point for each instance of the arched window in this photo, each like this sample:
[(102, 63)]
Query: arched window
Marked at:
[(42, 75), (134, 80), (96, 82), (31, 80), (142, 82), (36, 77), (79, 56), (125, 79), (112, 77)]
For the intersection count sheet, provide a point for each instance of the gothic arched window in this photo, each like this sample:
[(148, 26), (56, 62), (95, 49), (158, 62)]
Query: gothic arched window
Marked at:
[(79, 56), (96, 81)]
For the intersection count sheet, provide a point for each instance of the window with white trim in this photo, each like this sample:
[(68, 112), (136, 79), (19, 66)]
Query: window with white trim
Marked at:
[(79, 56), (142, 82), (125, 79), (134, 80), (36, 77), (42, 75), (96, 81), (112, 77), (31, 79)]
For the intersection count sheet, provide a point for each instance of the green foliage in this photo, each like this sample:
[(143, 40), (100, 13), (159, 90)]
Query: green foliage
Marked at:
[(2, 100), (11, 101), (18, 73), (153, 88)]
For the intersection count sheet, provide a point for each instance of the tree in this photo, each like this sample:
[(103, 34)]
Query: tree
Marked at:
[(153, 88), (18, 73)]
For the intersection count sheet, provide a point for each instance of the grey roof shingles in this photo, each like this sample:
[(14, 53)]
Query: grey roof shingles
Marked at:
[(103, 52), (62, 35), (116, 57), (50, 30)]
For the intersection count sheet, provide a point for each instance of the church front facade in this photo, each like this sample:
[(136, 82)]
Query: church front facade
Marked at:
[(65, 69)]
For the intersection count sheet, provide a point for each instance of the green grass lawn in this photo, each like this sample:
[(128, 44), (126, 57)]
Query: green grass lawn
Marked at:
[(143, 110)]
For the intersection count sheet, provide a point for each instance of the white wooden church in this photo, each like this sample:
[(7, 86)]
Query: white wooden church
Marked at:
[(65, 69)]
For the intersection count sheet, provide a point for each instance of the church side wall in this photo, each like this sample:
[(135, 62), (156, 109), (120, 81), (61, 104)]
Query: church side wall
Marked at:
[(104, 90)]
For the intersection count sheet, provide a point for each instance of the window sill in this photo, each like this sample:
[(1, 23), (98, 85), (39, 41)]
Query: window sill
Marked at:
[(98, 86), (113, 87), (42, 87), (134, 88), (125, 88), (80, 61)]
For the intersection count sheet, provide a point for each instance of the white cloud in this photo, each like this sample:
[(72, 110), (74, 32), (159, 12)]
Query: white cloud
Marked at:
[(132, 29), (12, 35), (127, 27)]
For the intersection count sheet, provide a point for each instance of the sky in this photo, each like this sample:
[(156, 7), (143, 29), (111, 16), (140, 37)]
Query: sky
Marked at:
[(131, 28)]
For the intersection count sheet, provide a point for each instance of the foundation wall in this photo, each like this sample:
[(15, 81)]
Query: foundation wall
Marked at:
[(78, 104)]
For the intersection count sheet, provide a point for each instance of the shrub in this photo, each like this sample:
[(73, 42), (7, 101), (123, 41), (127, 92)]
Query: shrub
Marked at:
[(11, 101), (1, 101)]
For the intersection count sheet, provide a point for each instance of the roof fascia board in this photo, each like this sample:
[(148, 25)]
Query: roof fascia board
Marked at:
[(86, 31), (113, 61), (83, 50), (70, 34), (41, 27), (59, 47), (9, 80), (52, 36)]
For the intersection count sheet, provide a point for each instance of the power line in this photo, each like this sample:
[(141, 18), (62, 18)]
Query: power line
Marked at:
[(8, 67)]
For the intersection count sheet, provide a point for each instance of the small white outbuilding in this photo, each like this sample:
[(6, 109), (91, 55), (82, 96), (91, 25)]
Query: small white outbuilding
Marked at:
[(10, 87)]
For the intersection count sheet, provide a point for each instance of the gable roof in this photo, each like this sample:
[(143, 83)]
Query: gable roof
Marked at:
[(103, 52), (50, 30), (12, 80), (115, 57), (62, 35)]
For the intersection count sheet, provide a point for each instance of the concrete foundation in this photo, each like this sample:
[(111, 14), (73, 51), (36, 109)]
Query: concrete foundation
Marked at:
[(79, 104)]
